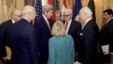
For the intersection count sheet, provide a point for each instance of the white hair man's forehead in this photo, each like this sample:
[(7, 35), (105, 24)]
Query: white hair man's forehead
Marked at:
[(86, 10)]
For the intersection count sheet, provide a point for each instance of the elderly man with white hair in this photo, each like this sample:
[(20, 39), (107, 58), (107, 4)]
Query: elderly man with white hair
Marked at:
[(44, 32), (72, 27), (22, 39), (87, 46)]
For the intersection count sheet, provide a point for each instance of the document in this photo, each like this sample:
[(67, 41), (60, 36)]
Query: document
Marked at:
[(77, 62), (105, 49)]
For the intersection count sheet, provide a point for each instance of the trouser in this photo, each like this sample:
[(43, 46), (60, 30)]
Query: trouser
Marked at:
[(104, 59), (43, 59), (111, 58), (6, 61)]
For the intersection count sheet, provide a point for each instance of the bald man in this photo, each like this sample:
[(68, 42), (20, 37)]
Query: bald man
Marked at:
[(16, 15), (22, 39), (4, 28), (87, 45)]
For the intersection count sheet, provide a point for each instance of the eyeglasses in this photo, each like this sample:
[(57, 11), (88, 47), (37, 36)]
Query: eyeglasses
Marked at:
[(67, 15), (18, 15)]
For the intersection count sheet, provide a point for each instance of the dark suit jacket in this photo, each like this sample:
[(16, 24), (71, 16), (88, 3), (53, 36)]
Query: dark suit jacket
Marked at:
[(23, 43), (106, 35), (74, 30), (87, 46), (4, 28), (43, 33)]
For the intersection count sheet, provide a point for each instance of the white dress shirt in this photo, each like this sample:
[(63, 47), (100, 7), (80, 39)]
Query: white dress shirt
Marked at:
[(68, 26)]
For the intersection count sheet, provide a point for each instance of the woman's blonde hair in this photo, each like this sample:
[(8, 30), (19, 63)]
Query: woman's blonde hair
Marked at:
[(58, 29)]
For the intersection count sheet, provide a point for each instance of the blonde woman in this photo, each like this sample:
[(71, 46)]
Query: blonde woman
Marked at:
[(61, 46)]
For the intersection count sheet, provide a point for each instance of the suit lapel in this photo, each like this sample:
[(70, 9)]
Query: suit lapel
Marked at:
[(46, 24)]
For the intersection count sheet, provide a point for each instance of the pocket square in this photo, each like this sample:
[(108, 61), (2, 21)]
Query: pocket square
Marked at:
[(81, 34)]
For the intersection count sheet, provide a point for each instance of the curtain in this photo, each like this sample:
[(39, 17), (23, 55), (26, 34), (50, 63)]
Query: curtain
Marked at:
[(101, 5), (5, 13), (29, 2), (7, 6)]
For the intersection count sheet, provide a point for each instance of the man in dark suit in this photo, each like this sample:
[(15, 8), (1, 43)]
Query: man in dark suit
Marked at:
[(87, 46), (72, 27), (22, 39), (44, 32), (106, 35), (4, 28)]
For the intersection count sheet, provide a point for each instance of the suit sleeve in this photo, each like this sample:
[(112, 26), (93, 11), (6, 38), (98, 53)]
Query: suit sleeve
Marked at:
[(111, 38), (51, 52), (2, 42), (33, 47), (77, 37), (38, 33)]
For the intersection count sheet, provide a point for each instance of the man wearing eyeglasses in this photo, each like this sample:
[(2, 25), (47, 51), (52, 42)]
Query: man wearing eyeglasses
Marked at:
[(4, 28), (72, 27)]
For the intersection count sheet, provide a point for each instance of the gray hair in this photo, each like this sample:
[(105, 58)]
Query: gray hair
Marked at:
[(27, 10), (87, 11), (47, 8)]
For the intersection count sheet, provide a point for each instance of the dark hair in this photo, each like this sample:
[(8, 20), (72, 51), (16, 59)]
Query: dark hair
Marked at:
[(109, 11)]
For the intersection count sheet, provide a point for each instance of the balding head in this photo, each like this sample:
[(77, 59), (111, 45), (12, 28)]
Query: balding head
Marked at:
[(16, 15), (29, 12), (84, 14), (86, 11), (67, 12)]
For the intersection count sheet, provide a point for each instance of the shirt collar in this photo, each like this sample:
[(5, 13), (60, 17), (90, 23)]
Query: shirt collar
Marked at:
[(45, 17), (13, 21), (108, 20), (86, 22), (26, 19)]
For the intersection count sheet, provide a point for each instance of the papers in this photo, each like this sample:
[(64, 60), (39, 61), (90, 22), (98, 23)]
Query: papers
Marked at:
[(105, 49), (77, 62)]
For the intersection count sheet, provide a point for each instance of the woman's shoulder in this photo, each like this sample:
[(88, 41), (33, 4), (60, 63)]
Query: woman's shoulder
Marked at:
[(52, 38), (68, 36)]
